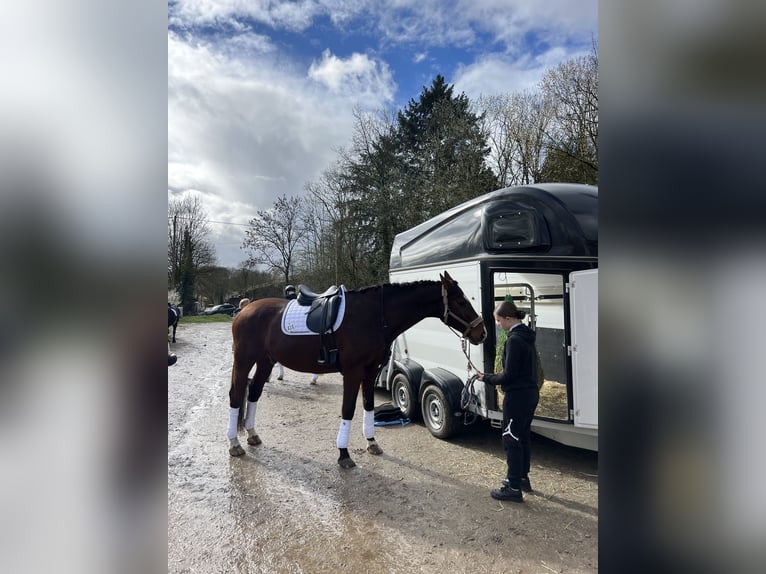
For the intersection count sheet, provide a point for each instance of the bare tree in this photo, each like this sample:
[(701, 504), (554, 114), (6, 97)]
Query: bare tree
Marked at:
[(516, 127), (573, 87), (274, 235), (187, 216)]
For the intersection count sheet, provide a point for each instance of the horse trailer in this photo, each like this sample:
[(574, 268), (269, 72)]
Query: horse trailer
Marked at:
[(537, 244)]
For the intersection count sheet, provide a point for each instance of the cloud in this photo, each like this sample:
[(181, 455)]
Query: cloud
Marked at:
[(295, 16), (501, 74), (357, 74), (502, 24), (242, 132)]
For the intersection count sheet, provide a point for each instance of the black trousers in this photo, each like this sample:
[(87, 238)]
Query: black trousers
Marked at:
[(518, 410)]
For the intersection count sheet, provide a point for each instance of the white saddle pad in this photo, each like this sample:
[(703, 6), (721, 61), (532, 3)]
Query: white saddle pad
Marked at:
[(294, 316)]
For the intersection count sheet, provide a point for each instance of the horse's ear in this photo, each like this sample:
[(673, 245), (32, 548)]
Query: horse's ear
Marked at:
[(447, 276)]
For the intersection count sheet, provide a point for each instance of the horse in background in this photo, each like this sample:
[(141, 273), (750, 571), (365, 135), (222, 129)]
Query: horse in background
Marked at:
[(374, 318), (174, 315)]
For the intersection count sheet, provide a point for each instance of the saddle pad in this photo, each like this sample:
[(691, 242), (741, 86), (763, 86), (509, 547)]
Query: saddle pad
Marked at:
[(294, 316)]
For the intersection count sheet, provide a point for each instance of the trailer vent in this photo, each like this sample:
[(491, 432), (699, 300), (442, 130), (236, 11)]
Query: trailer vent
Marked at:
[(517, 229)]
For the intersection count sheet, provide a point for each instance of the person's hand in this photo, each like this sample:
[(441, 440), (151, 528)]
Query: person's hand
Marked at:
[(480, 375)]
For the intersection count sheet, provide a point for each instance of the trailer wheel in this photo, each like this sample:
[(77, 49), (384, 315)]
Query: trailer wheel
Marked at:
[(403, 397), (437, 413)]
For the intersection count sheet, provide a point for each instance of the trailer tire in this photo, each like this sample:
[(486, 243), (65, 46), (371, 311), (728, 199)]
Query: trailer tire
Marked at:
[(437, 413), (403, 397)]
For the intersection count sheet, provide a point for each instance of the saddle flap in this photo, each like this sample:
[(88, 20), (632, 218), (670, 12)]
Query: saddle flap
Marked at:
[(323, 313)]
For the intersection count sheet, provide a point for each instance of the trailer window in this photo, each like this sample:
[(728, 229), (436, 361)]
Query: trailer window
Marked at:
[(516, 229)]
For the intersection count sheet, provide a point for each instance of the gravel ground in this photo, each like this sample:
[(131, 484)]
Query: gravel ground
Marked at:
[(421, 506)]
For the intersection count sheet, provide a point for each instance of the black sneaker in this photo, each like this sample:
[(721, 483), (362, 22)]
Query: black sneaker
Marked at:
[(506, 492), (525, 486), (172, 359)]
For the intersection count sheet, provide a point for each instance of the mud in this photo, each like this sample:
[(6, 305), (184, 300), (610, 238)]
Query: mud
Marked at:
[(421, 506)]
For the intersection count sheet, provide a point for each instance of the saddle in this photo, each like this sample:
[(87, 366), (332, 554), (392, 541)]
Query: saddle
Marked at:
[(323, 311)]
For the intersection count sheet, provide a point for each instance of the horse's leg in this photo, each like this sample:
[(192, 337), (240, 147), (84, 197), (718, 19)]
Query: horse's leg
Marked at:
[(237, 392), (175, 325), (368, 402), (262, 373), (350, 392)]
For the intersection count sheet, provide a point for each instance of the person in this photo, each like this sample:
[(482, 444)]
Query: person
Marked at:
[(172, 322), (519, 383), (290, 293), (242, 303)]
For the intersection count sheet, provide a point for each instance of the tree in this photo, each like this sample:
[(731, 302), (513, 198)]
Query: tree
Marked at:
[(187, 275), (573, 138), (443, 148), (187, 230), (214, 284), (274, 235), (517, 126)]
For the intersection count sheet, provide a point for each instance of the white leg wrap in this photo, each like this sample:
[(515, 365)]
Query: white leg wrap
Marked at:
[(368, 424), (250, 416), (281, 370), (345, 427), (231, 432)]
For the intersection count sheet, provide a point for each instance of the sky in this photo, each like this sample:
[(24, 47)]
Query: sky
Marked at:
[(261, 93)]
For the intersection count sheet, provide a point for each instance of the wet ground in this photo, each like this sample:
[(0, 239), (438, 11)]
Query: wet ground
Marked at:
[(421, 506)]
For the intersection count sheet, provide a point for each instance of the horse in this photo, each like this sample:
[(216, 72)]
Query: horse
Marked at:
[(374, 318), (174, 314)]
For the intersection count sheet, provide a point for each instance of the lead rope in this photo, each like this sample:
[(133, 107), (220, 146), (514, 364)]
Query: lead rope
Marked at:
[(468, 396)]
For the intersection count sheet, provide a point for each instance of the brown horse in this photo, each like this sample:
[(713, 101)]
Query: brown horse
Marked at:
[(373, 318)]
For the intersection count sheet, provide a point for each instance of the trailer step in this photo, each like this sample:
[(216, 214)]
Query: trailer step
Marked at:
[(496, 423)]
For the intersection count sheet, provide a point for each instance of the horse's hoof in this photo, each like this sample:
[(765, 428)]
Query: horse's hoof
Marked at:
[(236, 450), (253, 440), (346, 463), (373, 448)]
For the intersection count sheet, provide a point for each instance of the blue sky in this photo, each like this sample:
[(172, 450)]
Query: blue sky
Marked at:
[(261, 93)]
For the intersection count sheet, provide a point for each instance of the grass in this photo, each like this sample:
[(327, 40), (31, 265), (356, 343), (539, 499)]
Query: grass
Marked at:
[(219, 318)]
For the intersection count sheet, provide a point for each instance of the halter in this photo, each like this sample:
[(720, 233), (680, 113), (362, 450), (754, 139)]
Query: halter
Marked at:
[(449, 313)]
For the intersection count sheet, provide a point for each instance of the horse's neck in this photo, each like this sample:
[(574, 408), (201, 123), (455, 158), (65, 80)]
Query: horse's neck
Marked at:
[(405, 307)]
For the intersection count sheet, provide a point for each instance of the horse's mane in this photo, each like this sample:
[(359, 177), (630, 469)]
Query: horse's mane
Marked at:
[(392, 286)]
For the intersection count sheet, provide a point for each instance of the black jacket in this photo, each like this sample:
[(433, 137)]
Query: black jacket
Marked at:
[(519, 361)]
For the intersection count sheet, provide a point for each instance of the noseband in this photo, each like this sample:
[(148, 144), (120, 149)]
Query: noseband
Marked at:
[(448, 313)]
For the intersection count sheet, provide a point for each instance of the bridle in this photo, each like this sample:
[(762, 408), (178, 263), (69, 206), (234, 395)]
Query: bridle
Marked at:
[(468, 326), (448, 313)]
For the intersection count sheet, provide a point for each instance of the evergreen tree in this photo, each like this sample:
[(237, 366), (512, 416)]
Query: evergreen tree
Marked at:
[(187, 275), (442, 149)]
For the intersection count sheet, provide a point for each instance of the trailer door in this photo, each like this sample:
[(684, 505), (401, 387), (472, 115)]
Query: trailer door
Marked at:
[(583, 301)]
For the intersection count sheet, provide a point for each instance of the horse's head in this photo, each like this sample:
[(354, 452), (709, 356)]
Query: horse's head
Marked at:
[(459, 313)]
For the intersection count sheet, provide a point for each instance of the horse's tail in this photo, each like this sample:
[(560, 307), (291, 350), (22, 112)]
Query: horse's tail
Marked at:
[(238, 392), (241, 415)]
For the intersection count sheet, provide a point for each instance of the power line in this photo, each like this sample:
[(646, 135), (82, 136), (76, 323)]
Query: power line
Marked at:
[(210, 221)]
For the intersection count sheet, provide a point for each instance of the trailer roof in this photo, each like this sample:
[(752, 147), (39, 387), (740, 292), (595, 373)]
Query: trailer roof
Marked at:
[(542, 220)]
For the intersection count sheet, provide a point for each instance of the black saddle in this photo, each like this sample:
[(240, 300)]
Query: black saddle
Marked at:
[(306, 296), (323, 313)]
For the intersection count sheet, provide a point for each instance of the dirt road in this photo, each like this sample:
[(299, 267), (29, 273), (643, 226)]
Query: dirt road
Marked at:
[(422, 506)]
